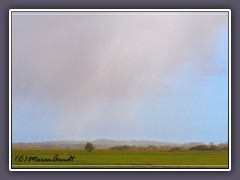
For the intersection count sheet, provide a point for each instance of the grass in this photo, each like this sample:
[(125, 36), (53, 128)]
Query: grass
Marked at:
[(122, 159)]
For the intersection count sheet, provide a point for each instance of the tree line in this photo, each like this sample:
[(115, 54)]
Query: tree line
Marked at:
[(203, 147), (90, 147)]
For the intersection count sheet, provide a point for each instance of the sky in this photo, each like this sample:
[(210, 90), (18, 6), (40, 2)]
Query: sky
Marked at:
[(119, 75)]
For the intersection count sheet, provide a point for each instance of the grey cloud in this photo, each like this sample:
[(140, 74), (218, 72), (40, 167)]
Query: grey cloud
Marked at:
[(74, 60), (123, 56)]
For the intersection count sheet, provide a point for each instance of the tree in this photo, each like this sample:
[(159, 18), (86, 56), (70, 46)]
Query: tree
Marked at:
[(200, 148), (89, 147), (152, 147), (177, 149), (213, 147)]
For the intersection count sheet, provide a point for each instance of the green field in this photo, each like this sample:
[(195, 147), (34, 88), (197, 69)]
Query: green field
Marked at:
[(118, 159)]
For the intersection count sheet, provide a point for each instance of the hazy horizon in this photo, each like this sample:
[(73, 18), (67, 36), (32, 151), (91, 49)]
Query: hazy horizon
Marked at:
[(158, 76), (103, 139)]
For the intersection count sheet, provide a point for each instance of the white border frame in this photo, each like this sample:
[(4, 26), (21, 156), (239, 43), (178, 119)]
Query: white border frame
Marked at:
[(120, 10)]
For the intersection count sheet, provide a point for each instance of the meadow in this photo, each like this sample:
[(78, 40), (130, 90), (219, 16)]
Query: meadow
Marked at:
[(116, 159)]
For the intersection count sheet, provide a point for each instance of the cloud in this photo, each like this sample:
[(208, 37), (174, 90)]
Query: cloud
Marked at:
[(73, 61), (121, 56)]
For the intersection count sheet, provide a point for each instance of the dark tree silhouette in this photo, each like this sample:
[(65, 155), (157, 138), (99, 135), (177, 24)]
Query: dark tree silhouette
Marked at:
[(89, 147)]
